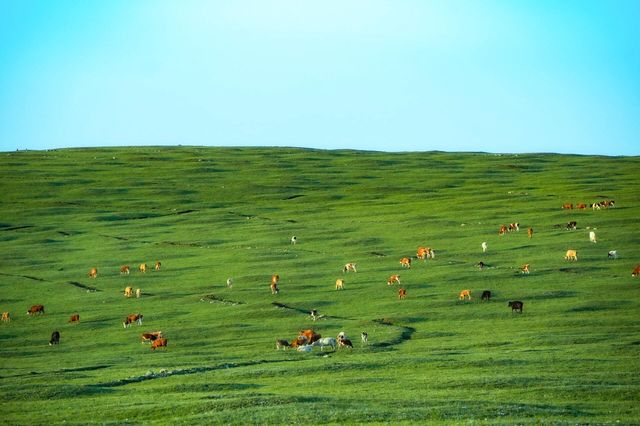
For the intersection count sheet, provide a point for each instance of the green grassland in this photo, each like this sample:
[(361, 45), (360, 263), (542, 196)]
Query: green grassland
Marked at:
[(572, 356)]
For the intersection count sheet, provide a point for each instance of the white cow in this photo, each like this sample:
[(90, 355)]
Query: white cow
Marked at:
[(592, 236), (305, 348), (484, 246), (613, 254), (325, 341)]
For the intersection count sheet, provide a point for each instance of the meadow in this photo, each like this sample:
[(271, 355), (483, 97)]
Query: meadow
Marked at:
[(571, 357)]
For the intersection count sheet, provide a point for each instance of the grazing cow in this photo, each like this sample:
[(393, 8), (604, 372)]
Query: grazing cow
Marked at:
[(142, 268), (229, 282), (6, 317), (275, 278), (138, 293), (596, 206), (282, 344), (345, 342), (567, 206), (571, 255), (128, 292), (402, 293), (55, 338), (298, 342), (572, 225), (592, 236), (481, 265), (581, 206), (160, 342), (465, 293), (341, 335), (307, 335), (525, 269), (364, 337), (514, 226), (484, 246), (530, 232), (486, 295), (304, 348), (613, 254), (75, 318), (636, 271), (339, 284), (131, 318), (325, 341), (124, 270), (349, 267), (294, 239), (405, 262), (158, 265), (150, 336), (502, 230), (515, 305), (425, 253), (395, 278), (36, 309), (93, 272), (314, 314)]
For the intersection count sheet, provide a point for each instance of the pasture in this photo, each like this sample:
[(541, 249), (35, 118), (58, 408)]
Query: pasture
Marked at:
[(571, 357)]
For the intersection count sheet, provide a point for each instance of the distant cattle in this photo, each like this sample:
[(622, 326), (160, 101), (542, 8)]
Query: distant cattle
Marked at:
[(405, 262), (142, 268), (613, 254), (364, 337), (93, 272), (425, 253), (160, 342), (503, 230), (128, 292), (150, 336), (339, 284), (581, 206), (305, 348), (294, 239), (402, 293), (275, 279), (486, 295), (481, 265), (229, 282), (298, 342), (571, 255), (592, 236), (158, 265), (514, 226), (525, 268), (530, 232), (344, 342), (314, 314), (572, 225), (36, 309), (6, 317), (131, 319), (55, 338), (465, 293), (395, 278), (307, 335), (636, 271), (568, 206), (349, 267), (74, 318), (515, 305), (282, 344), (138, 293), (341, 335), (484, 246), (325, 341), (124, 270)]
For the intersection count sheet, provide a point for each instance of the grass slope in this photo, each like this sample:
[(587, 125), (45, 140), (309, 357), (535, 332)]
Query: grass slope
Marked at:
[(212, 213)]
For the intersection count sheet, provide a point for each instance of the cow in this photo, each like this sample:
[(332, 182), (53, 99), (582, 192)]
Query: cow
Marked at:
[(138, 293), (160, 342), (481, 265), (275, 278), (349, 267), (515, 305), (282, 344), (514, 226), (571, 255), (229, 282), (608, 203), (93, 272), (36, 309), (530, 232), (572, 225), (425, 253), (502, 230), (75, 318), (314, 314), (307, 335), (6, 317), (299, 341), (525, 268), (142, 268), (592, 236), (484, 246), (395, 278), (465, 293), (344, 342), (150, 336), (596, 206), (613, 254), (294, 239), (55, 338), (305, 348), (341, 335), (158, 265), (128, 292), (405, 262), (568, 206), (486, 295), (339, 284), (364, 336), (581, 206), (131, 319), (124, 270), (402, 293), (325, 341), (636, 271)]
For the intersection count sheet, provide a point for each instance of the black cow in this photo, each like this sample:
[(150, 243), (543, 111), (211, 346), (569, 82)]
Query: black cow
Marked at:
[(481, 265), (55, 338), (515, 305), (572, 225), (486, 295)]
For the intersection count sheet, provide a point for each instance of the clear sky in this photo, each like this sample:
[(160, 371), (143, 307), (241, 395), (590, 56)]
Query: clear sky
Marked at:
[(396, 75)]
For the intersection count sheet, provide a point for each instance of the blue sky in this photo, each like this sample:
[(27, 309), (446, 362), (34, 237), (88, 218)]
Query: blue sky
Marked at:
[(397, 75)]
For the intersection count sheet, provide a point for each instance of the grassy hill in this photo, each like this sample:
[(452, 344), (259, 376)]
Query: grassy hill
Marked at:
[(208, 214)]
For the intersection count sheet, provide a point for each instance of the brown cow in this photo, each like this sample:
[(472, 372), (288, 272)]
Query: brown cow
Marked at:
[(395, 278), (530, 232), (516, 305), (465, 293), (124, 270), (36, 309), (342, 341), (275, 278), (636, 271), (567, 206), (571, 255), (128, 292), (158, 265), (405, 262), (150, 336), (6, 317), (282, 344), (525, 269), (307, 335), (93, 272), (159, 343), (349, 267), (298, 342), (339, 284), (402, 293), (425, 253), (75, 318), (131, 318), (503, 230), (581, 206), (142, 268), (514, 226)]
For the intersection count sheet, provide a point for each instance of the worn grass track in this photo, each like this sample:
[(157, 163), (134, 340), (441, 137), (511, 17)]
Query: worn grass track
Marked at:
[(208, 214)]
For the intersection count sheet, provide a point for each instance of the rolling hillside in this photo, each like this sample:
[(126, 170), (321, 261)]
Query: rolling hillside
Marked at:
[(207, 214)]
